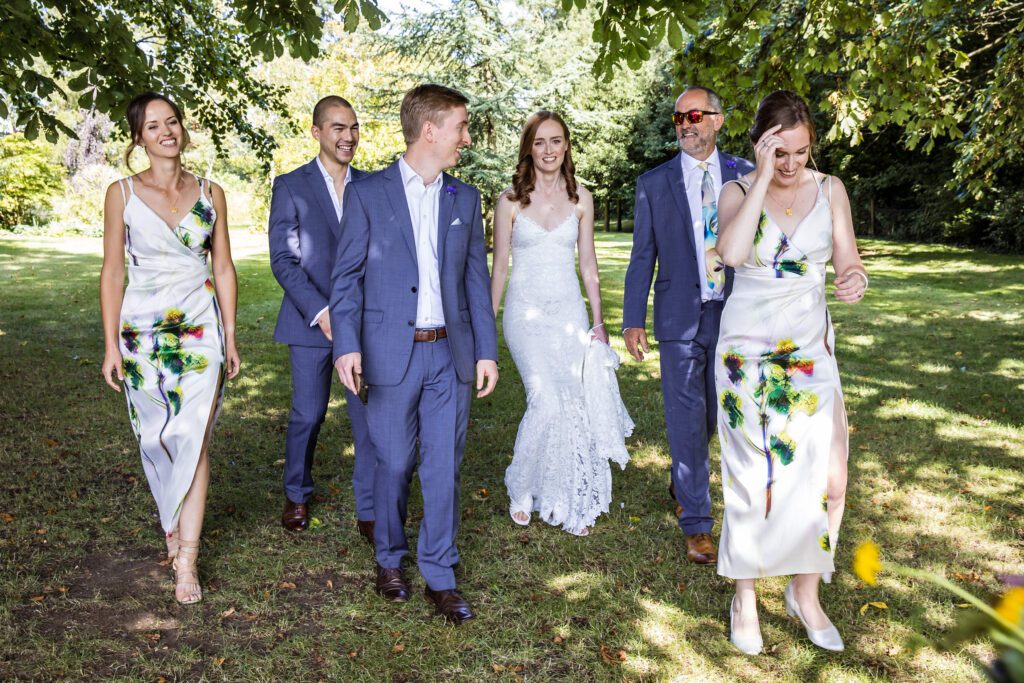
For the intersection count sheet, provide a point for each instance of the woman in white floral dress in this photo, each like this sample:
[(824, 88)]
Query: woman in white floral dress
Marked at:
[(170, 334)]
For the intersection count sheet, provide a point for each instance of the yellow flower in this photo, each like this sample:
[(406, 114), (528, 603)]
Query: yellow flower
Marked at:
[(867, 563), (1011, 606)]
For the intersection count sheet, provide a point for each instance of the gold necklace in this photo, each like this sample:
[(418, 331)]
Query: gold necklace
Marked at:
[(789, 209)]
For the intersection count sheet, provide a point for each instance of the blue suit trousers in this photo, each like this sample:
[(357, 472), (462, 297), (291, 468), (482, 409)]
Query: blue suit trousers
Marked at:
[(312, 372), (430, 405), (688, 390)]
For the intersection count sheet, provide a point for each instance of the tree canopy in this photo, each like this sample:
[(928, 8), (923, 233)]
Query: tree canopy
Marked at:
[(940, 70), (204, 53)]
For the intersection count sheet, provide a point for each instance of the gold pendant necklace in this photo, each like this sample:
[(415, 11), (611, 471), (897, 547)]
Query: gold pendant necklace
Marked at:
[(788, 209)]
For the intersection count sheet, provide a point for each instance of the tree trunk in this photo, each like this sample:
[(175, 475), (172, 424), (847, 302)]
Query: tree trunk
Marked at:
[(607, 213), (618, 215)]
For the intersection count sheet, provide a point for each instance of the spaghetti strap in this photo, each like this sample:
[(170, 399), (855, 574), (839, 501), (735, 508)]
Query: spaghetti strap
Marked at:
[(204, 189), (739, 183), (124, 196)]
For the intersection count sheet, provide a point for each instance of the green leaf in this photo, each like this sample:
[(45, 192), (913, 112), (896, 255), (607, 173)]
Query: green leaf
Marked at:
[(567, 5), (675, 34)]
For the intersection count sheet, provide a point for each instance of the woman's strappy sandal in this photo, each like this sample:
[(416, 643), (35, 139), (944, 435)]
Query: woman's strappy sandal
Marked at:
[(187, 590)]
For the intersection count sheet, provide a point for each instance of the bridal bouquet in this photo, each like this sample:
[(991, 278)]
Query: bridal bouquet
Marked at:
[(1002, 624)]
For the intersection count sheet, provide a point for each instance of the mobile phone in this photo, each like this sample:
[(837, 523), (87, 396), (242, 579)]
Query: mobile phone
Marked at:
[(362, 388)]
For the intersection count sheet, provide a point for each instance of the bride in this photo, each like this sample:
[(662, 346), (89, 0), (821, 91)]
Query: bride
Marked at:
[(575, 421)]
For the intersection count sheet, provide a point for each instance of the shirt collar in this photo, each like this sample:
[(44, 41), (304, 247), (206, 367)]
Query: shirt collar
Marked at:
[(410, 176), (689, 163), (327, 176)]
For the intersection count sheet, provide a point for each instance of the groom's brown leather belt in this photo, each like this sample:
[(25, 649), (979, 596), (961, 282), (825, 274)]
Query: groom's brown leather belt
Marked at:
[(431, 335)]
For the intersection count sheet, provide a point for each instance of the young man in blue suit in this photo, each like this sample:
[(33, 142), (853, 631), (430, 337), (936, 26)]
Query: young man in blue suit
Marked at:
[(305, 220), (412, 319), (675, 227)]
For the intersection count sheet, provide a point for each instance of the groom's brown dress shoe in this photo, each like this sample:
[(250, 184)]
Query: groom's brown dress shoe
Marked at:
[(366, 530), (295, 516), (391, 585), (700, 549), (450, 605)]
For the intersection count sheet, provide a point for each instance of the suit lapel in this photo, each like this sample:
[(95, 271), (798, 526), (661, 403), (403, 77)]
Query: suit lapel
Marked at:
[(677, 188), (445, 205), (400, 206), (729, 170), (323, 197)]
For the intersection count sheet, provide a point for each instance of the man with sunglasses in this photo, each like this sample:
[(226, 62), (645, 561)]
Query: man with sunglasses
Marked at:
[(675, 227)]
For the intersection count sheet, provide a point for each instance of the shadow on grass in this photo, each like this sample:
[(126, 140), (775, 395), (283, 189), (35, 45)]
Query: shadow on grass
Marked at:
[(932, 376)]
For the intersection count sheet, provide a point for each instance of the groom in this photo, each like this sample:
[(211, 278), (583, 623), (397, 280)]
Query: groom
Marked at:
[(412, 319), (305, 215), (676, 226)]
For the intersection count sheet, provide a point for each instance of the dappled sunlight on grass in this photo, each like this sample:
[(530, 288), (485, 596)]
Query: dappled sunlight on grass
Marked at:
[(576, 586), (932, 373)]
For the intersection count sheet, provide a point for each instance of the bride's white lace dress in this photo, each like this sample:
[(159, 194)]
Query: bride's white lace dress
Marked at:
[(575, 421)]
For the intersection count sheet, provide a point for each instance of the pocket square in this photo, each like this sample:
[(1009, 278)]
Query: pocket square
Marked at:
[(457, 221)]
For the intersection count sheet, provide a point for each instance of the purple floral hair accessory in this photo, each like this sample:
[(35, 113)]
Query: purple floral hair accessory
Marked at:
[(450, 189), (731, 163)]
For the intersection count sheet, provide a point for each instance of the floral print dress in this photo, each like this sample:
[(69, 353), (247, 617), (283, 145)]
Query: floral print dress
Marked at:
[(778, 385), (172, 343)]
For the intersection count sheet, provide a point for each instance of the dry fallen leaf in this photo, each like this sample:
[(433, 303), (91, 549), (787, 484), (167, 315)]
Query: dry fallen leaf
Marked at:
[(399, 647), (558, 640), (330, 584), (876, 605), (38, 598), (681, 587), (7, 517), (286, 585), (219, 661), (396, 634), (227, 613), (607, 655), (498, 668), (40, 532)]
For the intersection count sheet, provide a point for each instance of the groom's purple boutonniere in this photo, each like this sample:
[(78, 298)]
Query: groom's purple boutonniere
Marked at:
[(731, 163), (450, 189)]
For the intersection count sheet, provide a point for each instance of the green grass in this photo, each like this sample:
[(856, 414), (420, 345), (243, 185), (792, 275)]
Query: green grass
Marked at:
[(932, 365)]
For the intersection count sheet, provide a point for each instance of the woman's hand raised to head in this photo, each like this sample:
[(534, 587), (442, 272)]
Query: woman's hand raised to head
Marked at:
[(764, 153)]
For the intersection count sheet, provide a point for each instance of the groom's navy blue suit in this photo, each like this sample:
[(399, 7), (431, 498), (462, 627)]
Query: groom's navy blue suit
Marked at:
[(418, 390), (304, 231), (686, 329)]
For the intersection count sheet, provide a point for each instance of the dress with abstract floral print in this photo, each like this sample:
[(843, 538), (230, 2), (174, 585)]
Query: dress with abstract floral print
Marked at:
[(172, 343), (778, 385)]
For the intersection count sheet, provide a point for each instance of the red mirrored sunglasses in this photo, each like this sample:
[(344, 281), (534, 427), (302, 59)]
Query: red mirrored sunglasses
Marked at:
[(694, 116)]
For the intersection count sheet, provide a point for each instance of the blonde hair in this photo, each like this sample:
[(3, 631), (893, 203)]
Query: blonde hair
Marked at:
[(427, 102)]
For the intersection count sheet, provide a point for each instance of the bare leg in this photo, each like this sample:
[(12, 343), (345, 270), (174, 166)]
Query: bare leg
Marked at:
[(837, 468), (805, 586), (744, 617), (190, 528)]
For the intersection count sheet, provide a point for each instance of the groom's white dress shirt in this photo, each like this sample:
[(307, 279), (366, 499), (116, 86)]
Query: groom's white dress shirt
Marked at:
[(423, 200)]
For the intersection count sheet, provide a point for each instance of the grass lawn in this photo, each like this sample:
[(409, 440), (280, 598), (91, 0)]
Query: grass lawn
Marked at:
[(933, 369)]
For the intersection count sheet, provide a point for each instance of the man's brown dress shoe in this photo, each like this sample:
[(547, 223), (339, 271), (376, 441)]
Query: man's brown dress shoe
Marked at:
[(391, 584), (366, 530), (700, 549), (295, 516), (450, 605)]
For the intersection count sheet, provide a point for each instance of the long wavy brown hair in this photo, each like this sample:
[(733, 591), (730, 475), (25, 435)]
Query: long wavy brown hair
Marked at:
[(525, 177)]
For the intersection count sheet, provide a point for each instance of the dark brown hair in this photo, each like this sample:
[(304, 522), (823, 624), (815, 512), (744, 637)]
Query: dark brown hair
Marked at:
[(782, 108), (136, 115), (427, 102), (525, 177), (326, 103)]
